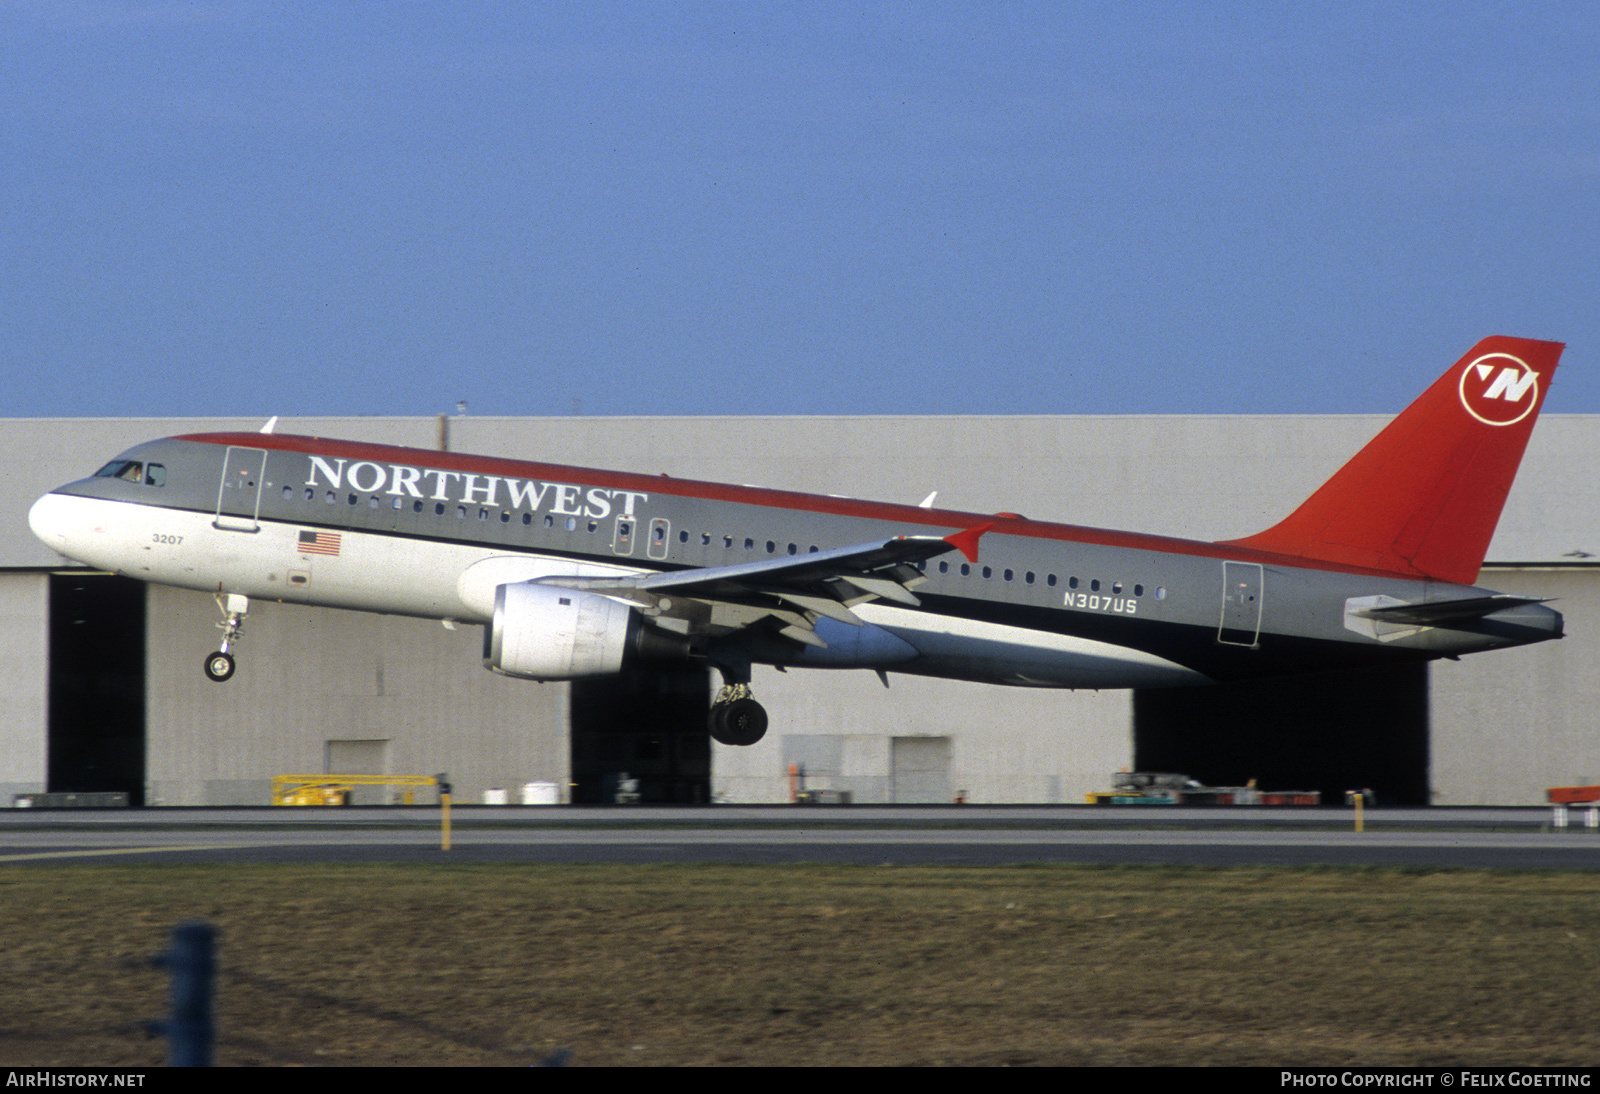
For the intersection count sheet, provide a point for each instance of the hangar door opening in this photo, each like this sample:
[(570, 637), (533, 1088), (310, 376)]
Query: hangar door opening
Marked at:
[(649, 723), (96, 735), (1331, 732)]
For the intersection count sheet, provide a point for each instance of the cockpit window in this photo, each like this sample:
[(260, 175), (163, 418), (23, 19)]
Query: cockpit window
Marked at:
[(134, 471)]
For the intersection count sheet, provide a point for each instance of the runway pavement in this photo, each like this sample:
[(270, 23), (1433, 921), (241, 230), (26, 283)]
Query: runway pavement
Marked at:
[(904, 835)]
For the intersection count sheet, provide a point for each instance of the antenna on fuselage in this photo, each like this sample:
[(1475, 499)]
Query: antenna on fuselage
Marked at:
[(272, 423)]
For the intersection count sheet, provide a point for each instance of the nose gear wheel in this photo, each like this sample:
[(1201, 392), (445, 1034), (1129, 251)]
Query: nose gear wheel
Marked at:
[(219, 666)]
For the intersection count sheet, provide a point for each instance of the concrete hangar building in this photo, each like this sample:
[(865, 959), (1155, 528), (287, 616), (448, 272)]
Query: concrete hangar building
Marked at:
[(103, 689)]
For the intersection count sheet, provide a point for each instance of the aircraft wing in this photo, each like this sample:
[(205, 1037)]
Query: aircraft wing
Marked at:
[(791, 590)]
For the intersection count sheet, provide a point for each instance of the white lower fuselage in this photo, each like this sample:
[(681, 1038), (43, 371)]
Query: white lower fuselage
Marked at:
[(453, 581)]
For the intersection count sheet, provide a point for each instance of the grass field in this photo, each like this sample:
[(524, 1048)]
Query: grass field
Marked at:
[(812, 965)]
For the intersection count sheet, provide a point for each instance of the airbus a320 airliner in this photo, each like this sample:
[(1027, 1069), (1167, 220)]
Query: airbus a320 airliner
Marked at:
[(575, 572)]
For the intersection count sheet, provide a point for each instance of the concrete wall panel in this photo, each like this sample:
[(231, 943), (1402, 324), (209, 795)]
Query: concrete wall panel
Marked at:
[(1198, 477), (310, 675), (1508, 725), (1007, 744), (24, 682)]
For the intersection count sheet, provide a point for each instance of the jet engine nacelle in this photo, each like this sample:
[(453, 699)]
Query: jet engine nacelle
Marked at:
[(545, 632)]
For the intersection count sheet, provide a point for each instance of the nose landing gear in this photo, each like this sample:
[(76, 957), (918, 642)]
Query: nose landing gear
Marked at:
[(219, 665)]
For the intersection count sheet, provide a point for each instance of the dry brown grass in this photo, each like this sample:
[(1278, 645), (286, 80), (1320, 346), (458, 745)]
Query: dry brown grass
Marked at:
[(812, 965)]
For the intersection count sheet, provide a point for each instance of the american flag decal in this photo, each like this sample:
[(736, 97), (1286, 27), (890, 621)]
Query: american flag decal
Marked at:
[(319, 543)]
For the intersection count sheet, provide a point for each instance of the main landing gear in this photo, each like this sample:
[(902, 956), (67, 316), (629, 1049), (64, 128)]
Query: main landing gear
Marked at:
[(219, 665), (736, 718)]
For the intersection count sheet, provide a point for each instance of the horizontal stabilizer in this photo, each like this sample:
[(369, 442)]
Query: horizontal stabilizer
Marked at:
[(1445, 612)]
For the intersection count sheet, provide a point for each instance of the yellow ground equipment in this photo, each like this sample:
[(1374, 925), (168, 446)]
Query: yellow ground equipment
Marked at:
[(335, 789)]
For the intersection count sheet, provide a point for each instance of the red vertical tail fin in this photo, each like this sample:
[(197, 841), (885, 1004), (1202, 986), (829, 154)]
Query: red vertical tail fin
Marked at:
[(1423, 497)]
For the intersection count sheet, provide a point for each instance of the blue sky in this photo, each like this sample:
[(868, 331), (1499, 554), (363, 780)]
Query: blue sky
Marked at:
[(759, 208)]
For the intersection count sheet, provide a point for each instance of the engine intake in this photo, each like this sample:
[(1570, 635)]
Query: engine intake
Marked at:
[(545, 632)]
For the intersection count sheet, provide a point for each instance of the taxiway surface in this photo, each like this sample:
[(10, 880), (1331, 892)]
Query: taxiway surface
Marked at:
[(967, 835)]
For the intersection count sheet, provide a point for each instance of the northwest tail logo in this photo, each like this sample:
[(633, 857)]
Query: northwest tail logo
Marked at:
[(1499, 389)]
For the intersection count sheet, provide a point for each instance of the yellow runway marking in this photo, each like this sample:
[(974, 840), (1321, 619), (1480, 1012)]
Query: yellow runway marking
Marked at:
[(126, 851)]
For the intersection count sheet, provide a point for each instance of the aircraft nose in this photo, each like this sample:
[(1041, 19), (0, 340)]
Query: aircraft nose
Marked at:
[(49, 522)]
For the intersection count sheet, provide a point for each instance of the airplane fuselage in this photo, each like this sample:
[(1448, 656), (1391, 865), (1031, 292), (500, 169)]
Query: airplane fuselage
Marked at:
[(438, 535)]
